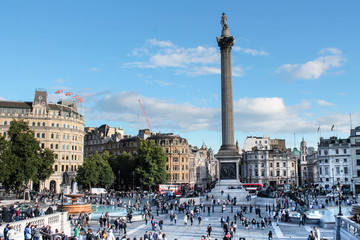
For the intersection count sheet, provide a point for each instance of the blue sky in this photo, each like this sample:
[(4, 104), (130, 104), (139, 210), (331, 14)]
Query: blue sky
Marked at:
[(295, 64)]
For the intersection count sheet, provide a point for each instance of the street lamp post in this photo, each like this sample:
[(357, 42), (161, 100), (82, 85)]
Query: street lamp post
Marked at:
[(339, 188)]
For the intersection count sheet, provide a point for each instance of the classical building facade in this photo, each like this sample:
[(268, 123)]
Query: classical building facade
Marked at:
[(269, 167), (96, 138), (334, 162), (58, 126), (203, 166), (263, 143), (177, 152), (308, 164), (355, 156)]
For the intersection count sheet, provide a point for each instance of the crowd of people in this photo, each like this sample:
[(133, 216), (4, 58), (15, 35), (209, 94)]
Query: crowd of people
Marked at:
[(158, 212)]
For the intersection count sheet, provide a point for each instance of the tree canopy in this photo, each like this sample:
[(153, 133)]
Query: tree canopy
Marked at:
[(95, 171), (22, 159), (151, 164), (123, 166)]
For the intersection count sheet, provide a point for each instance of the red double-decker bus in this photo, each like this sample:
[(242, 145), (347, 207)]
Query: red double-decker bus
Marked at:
[(173, 188), (252, 188)]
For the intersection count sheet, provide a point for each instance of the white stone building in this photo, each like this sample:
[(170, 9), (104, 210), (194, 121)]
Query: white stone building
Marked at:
[(269, 167), (334, 162)]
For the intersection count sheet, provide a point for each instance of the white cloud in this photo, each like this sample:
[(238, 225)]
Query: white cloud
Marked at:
[(2, 99), (94, 69), (59, 81), (162, 44), (325, 103), (269, 115), (314, 69), (250, 51)]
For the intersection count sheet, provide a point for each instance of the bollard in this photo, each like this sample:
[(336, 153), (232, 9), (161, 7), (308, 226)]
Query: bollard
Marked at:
[(212, 208), (232, 210)]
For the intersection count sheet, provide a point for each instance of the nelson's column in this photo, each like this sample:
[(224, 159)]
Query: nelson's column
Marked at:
[(228, 156)]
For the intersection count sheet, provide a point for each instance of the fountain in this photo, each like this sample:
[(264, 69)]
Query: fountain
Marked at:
[(75, 207)]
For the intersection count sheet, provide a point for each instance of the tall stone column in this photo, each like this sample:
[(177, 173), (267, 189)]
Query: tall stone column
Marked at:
[(227, 112), (227, 156)]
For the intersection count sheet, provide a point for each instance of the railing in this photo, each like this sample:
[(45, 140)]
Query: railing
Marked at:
[(350, 226)]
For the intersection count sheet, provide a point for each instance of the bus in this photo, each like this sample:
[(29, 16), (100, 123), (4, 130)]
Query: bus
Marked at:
[(252, 188), (170, 188)]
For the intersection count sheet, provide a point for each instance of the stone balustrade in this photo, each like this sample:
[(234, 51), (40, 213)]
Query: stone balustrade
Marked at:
[(58, 220), (346, 228)]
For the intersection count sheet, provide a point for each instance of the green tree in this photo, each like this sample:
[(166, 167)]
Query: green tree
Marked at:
[(24, 160), (151, 164), (4, 151), (95, 171), (123, 166)]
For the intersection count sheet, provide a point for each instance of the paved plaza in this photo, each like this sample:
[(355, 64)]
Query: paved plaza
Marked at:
[(180, 231)]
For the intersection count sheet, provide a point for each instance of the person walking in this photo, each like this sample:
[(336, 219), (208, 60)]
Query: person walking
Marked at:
[(270, 235), (209, 230), (316, 233), (185, 220), (200, 220)]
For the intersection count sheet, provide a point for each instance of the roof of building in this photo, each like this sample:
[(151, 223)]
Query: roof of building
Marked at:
[(13, 104)]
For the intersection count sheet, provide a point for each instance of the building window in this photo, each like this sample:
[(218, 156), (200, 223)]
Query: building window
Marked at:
[(271, 173), (56, 168), (62, 167), (358, 162), (337, 170), (43, 124), (33, 124), (38, 135), (326, 160), (271, 165), (43, 145), (284, 173), (345, 170), (327, 179), (43, 135), (51, 146), (277, 164), (284, 164), (337, 151), (278, 173), (345, 160), (175, 159), (325, 152), (344, 150), (357, 152), (56, 146), (337, 160), (52, 135), (263, 173)]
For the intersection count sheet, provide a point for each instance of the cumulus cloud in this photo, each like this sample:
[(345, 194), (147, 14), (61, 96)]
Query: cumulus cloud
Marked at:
[(253, 52), (163, 114), (2, 99), (270, 115), (325, 103), (195, 61), (330, 58)]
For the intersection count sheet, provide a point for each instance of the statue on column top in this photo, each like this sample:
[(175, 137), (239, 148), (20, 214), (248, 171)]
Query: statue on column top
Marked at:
[(225, 28)]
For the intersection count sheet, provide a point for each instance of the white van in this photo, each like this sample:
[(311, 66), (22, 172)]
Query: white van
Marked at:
[(97, 191)]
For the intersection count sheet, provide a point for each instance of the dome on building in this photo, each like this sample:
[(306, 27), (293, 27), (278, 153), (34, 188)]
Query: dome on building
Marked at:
[(303, 144), (296, 152), (203, 146)]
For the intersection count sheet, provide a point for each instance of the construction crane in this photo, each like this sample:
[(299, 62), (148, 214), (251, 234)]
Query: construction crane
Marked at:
[(147, 119)]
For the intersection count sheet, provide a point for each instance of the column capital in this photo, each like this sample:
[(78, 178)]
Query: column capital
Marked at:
[(225, 42)]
